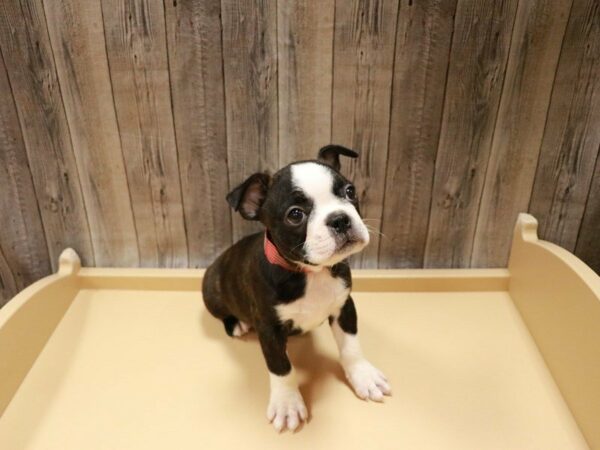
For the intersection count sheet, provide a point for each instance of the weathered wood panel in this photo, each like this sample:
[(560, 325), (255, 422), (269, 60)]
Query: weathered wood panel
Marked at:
[(305, 71), (588, 240), (77, 39), (250, 66), (195, 61), (128, 121), (32, 73), (23, 250), (422, 46), (535, 48), (137, 54), (572, 136), (480, 45), (8, 285), (365, 32)]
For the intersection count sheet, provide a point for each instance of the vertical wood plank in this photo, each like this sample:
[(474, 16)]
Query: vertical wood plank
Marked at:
[(305, 56), (536, 43), (250, 66), (588, 241), (480, 45), (77, 40), (137, 54), (8, 285), (32, 73), (423, 41), (195, 61), (572, 135), (365, 32), (22, 241)]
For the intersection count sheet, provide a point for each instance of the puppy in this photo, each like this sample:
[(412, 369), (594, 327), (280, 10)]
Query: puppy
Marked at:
[(294, 276)]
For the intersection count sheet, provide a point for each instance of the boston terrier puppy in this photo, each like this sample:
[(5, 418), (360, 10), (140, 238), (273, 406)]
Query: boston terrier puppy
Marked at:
[(293, 276)]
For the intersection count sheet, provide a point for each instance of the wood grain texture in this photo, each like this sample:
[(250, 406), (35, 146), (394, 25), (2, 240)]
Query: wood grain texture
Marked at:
[(137, 54), (32, 73), (77, 39), (365, 32), (195, 61), (250, 65), (423, 41), (535, 49), (23, 249), (482, 33), (8, 285), (305, 72), (124, 123), (588, 242), (572, 135)]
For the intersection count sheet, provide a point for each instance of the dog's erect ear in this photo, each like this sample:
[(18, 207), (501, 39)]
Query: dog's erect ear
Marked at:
[(249, 196), (330, 155)]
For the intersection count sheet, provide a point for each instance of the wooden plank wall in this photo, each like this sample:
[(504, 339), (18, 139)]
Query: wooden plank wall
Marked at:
[(123, 124)]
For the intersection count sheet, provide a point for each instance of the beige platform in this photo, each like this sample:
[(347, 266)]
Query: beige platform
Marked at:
[(478, 359)]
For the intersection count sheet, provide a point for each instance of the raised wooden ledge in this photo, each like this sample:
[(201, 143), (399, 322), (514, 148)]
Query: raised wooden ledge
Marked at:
[(557, 295), (29, 319), (409, 280)]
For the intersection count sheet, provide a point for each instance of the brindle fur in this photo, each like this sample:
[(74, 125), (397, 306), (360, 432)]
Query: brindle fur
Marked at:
[(241, 285)]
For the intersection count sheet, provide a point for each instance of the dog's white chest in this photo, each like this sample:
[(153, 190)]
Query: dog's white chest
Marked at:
[(323, 296)]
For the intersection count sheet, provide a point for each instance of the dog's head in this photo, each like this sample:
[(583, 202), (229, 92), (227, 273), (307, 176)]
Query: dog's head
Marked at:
[(310, 210)]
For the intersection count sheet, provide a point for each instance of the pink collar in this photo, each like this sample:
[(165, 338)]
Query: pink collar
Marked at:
[(274, 257)]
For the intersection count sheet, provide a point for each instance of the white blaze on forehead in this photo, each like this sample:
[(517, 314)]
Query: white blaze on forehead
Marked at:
[(316, 182)]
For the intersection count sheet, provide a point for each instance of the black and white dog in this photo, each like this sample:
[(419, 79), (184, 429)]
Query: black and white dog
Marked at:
[(293, 277)]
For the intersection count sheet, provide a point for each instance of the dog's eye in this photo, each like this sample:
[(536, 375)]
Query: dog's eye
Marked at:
[(350, 192), (295, 216)]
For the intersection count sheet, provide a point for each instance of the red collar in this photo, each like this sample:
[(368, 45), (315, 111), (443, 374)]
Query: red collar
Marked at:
[(274, 257)]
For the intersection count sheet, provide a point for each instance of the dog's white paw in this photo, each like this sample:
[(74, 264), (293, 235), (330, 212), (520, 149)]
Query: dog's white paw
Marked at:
[(240, 329), (286, 409), (368, 381)]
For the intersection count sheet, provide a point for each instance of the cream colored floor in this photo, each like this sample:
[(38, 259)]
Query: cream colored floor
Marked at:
[(152, 370)]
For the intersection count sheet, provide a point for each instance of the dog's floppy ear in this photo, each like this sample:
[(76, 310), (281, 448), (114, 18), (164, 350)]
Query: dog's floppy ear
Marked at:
[(330, 155), (249, 196)]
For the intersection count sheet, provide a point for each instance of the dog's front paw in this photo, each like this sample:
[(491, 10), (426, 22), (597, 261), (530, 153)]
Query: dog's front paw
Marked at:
[(368, 381), (286, 409)]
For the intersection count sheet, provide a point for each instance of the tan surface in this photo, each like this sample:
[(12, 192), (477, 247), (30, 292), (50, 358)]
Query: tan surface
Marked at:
[(29, 320), (151, 369), (558, 297), (128, 358)]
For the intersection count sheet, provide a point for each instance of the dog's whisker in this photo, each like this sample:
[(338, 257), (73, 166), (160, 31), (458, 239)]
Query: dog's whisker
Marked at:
[(300, 244), (374, 231)]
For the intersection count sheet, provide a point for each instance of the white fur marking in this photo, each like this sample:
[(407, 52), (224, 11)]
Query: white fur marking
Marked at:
[(323, 297), (368, 382), (286, 406), (316, 181), (240, 329)]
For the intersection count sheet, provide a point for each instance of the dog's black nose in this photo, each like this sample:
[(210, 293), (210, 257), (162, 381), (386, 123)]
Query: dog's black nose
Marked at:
[(339, 221)]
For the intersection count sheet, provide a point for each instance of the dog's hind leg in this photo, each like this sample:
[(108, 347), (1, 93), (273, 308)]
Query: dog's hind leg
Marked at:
[(235, 327), (211, 293)]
